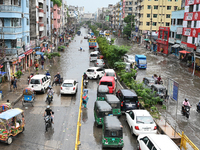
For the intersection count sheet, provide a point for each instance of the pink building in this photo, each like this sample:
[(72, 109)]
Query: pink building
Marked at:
[(56, 18)]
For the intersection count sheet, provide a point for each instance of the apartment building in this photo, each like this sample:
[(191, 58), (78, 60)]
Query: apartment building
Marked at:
[(14, 35), (130, 7)]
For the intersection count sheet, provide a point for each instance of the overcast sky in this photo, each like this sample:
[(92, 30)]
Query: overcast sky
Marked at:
[(91, 5)]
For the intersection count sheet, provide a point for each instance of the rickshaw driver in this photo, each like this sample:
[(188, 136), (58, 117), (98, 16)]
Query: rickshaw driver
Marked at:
[(48, 112)]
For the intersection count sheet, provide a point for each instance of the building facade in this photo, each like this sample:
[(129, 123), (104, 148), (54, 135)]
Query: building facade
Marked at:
[(14, 26), (56, 22)]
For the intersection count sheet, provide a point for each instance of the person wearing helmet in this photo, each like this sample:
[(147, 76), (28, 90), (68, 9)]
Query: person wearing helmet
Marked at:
[(84, 76), (48, 112), (185, 103), (50, 91), (57, 76)]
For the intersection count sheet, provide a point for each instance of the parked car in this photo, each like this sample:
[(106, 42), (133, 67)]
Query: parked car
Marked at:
[(110, 82), (156, 142), (110, 72), (140, 122), (128, 99), (95, 72), (69, 87), (148, 82), (129, 58), (40, 83), (94, 55), (99, 63)]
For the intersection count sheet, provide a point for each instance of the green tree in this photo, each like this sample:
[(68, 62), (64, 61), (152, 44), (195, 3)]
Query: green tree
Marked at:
[(127, 28)]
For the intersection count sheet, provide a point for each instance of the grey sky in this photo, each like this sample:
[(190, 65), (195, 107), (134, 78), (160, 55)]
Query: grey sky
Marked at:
[(91, 5)]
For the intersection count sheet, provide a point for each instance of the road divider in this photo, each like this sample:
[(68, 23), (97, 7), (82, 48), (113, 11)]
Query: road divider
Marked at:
[(77, 142)]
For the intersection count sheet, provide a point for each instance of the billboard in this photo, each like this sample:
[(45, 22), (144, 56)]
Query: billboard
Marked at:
[(173, 89)]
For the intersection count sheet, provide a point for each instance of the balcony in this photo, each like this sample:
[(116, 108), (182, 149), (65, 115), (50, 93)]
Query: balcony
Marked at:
[(11, 30), (41, 10), (10, 8), (41, 28), (11, 51), (41, 14)]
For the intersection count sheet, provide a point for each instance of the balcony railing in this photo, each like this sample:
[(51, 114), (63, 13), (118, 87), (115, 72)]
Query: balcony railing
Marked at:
[(11, 29), (41, 10), (11, 51), (10, 8)]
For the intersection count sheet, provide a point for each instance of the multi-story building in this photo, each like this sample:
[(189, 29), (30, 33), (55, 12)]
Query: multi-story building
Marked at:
[(14, 26), (176, 32), (48, 19), (151, 14), (56, 16)]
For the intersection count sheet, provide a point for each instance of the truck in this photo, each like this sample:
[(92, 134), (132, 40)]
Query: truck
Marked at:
[(141, 61)]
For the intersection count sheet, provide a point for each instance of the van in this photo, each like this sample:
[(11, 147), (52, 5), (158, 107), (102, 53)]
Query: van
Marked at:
[(40, 83), (110, 82), (155, 142), (94, 55)]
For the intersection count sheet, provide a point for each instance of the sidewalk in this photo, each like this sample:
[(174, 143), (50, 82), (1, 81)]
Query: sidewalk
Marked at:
[(22, 83)]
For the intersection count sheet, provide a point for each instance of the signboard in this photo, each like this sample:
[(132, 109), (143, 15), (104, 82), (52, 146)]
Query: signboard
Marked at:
[(19, 43), (20, 51), (187, 32), (192, 16), (190, 32), (173, 89)]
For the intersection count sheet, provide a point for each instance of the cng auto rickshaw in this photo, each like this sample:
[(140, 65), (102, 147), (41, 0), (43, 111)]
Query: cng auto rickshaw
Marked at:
[(114, 103), (101, 109), (102, 90), (112, 136), (160, 90), (12, 123), (28, 96)]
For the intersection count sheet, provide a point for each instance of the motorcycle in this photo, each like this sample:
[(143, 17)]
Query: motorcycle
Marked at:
[(49, 98), (48, 122), (186, 111), (56, 81), (85, 81)]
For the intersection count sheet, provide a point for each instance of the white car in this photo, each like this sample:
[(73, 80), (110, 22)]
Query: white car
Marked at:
[(94, 55), (99, 63), (156, 142), (129, 58), (95, 72), (110, 72), (140, 122), (69, 87)]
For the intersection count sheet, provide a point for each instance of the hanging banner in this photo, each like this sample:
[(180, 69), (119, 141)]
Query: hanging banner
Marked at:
[(173, 89)]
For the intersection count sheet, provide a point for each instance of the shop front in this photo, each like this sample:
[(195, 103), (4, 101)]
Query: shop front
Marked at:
[(163, 38), (28, 58)]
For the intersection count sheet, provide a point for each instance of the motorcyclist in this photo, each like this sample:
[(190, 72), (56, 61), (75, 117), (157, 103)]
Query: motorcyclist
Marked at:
[(185, 103), (48, 74), (80, 48), (57, 76), (50, 91), (84, 76), (48, 112), (159, 79)]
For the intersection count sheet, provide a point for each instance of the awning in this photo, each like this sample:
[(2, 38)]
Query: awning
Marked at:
[(184, 52), (39, 53), (1, 66), (176, 46), (36, 47), (28, 52), (21, 56), (146, 39)]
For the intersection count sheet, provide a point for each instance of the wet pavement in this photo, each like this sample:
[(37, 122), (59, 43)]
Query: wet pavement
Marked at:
[(189, 87)]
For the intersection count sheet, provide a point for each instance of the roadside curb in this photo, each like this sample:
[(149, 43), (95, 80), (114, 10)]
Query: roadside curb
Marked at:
[(17, 100)]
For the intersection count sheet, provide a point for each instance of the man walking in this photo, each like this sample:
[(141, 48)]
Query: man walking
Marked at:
[(15, 84), (42, 63)]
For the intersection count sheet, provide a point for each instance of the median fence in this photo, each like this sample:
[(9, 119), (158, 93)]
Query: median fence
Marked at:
[(77, 142), (186, 143)]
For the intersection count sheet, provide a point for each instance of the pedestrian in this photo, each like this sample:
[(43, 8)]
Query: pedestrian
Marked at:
[(42, 63), (11, 83), (146, 46), (36, 66), (85, 100), (85, 90), (8, 103), (15, 84)]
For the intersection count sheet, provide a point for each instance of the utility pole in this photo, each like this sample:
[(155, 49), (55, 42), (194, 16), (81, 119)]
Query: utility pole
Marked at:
[(151, 29), (51, 30)]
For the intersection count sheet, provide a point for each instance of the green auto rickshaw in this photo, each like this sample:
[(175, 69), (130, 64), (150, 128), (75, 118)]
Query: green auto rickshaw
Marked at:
[(112, 136), (114, 103), (102, 90), (101, 109)]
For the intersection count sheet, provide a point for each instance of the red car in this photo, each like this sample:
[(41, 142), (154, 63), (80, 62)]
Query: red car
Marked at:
[(110, 82)]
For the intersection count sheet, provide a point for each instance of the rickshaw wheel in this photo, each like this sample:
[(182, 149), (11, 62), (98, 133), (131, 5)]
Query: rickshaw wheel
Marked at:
[(9, 140)]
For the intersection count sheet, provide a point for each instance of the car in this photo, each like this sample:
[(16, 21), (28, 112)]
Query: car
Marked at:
[(110, 72), (39, 83), (110, 82), (155, 142), (140, 122), (95, 72), (94, 55), (148, 82), (129, 58), (69, 86), (99, 63)]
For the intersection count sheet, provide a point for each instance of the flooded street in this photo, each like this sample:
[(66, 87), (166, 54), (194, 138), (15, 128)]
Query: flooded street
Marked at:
[(189, 87)]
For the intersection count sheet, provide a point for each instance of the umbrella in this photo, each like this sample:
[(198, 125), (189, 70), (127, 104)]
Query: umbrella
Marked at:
[(39, 53)]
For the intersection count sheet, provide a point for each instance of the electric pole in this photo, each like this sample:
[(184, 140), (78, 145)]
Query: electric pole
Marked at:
[(151, 28)]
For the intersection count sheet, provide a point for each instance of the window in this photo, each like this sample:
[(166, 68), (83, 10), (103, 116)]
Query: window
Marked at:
[(135, 3), (145, 140), (154, 23), (176, 0), (26, 3), (47, 20), (161, 34), (27, 39), (126, 3), (179, 21), (184, 39), (149, 0), (175, 8), (155, 0), (27, 22), (58, 20), (167, 15), (191, 8), (54, 9), (195, 24), (17, 2), (155, 15), (147, 23), (189, 24), (174, 22), (13, 43), (197, 7), (149, 7), (178, 36), (150, 145), (155, 7), (130, 8), (15, 22), (1, 22), (148, 15), (130, 3), (169, 0), (193, 40), (47, 8), (165, 35), (168, 7), (167, 23)]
